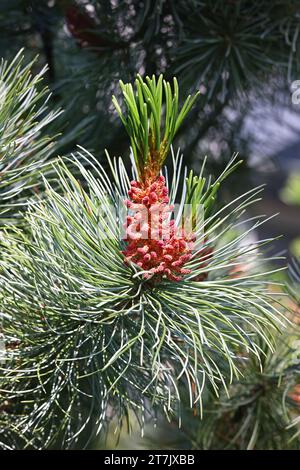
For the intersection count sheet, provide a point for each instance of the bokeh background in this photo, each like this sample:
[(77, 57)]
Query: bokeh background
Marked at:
[(242, 55)]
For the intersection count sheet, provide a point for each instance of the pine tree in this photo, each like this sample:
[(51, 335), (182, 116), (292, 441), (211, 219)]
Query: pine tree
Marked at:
[(209, 343), (96, 324)]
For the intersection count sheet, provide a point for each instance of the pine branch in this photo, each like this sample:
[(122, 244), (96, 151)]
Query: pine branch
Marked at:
[(144, 115), (91, 332), (24, 148), (260, 412)]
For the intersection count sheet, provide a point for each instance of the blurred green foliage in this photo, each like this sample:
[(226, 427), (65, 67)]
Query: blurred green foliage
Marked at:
[(290, 194), (230, 50)]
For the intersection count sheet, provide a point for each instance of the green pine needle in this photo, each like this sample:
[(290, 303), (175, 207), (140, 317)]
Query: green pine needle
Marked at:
[(92, 333), (150, 139), (23, 147)]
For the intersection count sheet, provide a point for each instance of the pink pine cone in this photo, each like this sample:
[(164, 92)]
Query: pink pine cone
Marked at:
[(154, 243)]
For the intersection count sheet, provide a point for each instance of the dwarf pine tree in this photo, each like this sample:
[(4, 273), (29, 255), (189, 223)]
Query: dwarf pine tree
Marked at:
[(116, 301)]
